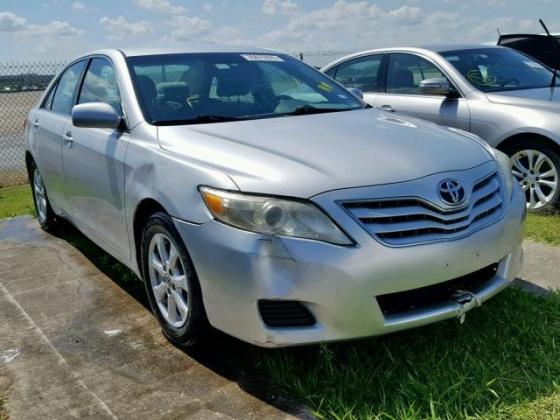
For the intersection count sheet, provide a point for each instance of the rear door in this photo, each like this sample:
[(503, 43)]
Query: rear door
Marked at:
[(364, 73), (93, 160), (403, 96), (46, 125)]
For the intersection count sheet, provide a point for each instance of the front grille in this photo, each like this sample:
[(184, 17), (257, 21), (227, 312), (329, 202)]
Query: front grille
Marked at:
[(409, 220), (424, 297), (285, 313)]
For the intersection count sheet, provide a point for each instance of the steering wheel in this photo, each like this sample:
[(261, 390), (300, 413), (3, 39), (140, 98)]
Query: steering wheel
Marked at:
[(513, 80)]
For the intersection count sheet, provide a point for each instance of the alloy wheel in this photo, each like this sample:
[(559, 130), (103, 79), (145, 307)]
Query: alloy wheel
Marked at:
[(168, 280), (40, 195), (537, 175)]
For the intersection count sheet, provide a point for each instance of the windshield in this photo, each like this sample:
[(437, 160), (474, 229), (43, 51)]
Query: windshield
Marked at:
[(499, 69), (214, 87)]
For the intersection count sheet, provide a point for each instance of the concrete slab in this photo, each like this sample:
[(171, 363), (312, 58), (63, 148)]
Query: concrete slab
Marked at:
[(542, 265), (73, 343)]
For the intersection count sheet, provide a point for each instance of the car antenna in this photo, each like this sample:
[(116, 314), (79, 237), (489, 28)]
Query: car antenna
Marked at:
[(557, 53), (498, 30)]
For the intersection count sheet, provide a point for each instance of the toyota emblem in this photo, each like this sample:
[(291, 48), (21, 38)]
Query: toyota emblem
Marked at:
[(451, 192)]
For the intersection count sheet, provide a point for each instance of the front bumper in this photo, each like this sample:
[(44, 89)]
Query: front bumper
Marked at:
[(339, 285)]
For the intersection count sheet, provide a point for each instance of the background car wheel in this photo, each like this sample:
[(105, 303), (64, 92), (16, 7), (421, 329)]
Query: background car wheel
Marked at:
[(537, 167), (171, 283), (43, 210)]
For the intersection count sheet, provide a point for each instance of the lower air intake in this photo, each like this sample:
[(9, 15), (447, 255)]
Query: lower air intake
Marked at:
[(285, 313)]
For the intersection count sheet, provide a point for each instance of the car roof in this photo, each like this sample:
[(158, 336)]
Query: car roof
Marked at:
[(439, 48), (436, 48), (188, 48)]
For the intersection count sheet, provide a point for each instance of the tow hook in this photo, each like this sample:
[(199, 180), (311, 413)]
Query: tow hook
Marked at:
[(466, 301)]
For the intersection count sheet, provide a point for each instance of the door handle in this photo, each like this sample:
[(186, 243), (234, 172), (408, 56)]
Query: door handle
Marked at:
[(387, 108), (36, 124), (68, 140)]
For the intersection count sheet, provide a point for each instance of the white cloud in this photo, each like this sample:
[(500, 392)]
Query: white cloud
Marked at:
[(78, 6), (407, 14), (119, 27), (163, 7), (187, 28), (272, 7), (10, 22), (55, 29)]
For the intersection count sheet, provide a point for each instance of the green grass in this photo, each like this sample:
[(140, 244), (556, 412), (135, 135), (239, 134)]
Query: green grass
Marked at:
[(503, 363), (545, 228), (15, 201), (3, 414)]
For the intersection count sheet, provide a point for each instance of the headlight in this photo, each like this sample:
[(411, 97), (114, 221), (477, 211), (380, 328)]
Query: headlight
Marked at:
[(504, 163), (272, 216)]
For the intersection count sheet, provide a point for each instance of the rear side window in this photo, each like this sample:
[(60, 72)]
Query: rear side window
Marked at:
[(363, 73), (63, 100), (100, 85)]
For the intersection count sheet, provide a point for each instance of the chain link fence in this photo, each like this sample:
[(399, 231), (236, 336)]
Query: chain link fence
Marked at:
[(21, 87), (321, 58)]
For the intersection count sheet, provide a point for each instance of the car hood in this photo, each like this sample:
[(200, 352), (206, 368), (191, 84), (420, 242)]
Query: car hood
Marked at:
[(305, 155), (544, 98)]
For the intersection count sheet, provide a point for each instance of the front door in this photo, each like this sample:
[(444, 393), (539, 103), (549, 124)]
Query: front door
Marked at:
[(93, 160), (403, 95)]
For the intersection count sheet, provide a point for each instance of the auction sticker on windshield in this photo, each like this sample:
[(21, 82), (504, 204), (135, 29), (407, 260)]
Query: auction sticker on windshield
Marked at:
[(261, 57)]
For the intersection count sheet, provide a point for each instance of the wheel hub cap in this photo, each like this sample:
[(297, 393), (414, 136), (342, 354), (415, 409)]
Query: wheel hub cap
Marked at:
[(538, 177), (168, 280), (40, 195)]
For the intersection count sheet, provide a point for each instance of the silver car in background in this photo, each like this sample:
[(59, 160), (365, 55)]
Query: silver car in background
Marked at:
[(499, 94), (252, 193)]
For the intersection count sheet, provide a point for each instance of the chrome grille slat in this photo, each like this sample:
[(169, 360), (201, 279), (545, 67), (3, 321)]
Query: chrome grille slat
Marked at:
[(410, 220), (366, 213)]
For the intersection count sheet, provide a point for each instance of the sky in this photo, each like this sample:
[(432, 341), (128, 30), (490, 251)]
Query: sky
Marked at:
[(62, 29)]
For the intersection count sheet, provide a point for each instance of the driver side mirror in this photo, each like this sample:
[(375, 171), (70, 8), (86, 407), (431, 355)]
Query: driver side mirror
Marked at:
[(436, 86), (95, 115), (356, 92)]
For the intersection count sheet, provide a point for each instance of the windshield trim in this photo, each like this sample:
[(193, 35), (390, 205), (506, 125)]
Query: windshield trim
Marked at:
[(194, 121)]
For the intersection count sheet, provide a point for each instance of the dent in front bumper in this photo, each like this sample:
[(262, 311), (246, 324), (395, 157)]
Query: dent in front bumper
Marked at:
[(337, 284)]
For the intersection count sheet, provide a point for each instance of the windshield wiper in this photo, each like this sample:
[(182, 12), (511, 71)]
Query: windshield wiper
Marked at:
[(309, 109), (201, 119)]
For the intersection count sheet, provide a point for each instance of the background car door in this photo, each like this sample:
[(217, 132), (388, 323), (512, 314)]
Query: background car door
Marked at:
[(46, 125), (403, 95), (93, 160), (364, 73)]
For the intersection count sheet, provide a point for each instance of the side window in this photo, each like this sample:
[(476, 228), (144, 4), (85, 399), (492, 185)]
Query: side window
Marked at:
[(406, 71), (47, 103), (100, 85), (65, 92), (363, 73)]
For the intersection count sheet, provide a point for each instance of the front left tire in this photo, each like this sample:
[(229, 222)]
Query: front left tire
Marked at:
[(171, 282)]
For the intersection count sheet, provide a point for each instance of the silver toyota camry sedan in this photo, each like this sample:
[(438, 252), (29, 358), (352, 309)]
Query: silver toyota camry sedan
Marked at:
[(253, 194), (501, 95)]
